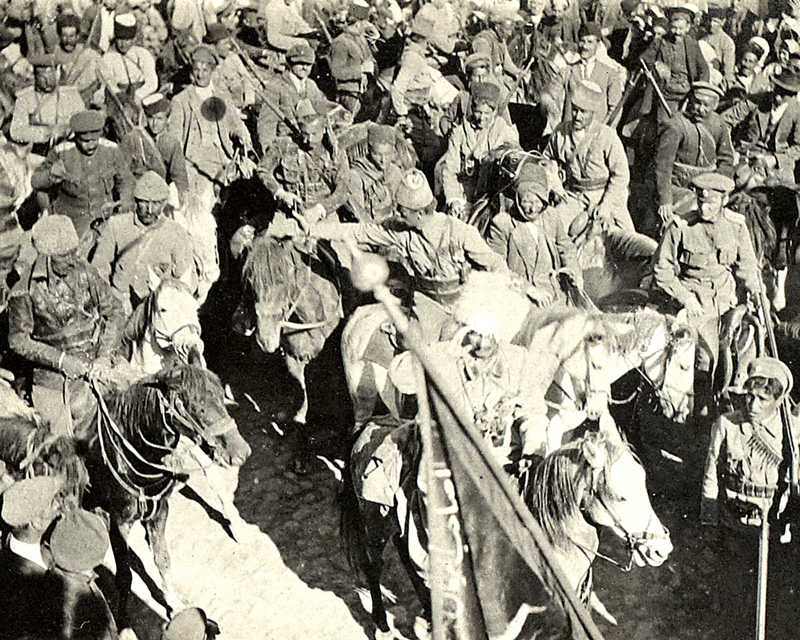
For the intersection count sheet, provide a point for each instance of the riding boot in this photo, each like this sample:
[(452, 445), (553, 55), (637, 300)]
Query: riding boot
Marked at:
[(704, 405)]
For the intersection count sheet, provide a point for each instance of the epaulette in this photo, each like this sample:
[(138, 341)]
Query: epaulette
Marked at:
[(734, 217)]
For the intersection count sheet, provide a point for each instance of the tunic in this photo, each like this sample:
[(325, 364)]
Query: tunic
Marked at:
[(370, 191), (136, 68), (35, 113)]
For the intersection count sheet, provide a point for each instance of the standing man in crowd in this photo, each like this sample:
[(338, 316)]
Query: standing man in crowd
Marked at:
[(127, 66)]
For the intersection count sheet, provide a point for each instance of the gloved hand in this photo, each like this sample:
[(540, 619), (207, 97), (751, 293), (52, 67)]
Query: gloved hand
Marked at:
[(665, 213), (693, 307), (542, 297)]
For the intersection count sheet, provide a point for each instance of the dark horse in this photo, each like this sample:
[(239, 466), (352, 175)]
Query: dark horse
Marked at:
[(135, 463)]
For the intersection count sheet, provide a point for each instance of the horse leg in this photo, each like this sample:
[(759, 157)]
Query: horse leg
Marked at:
[(401, 543), (156, 530), (779, 298), (118, 536), (297, 369)]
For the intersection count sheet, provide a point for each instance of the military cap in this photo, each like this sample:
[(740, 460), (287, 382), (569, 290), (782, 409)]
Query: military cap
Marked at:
[(155, 103), (125, 26), (787, 80), (688, 9), (54, 235), (79, 541), (44, 60), (359, 10), (305, 111), (588, 95), (414, 192), (485, 92), (759, 46), (381, 134), (217, 32), (300, 54), (716, 12), (423, 27), (88, 121), (533, 177), (29, 499), (474, 59), (706, 182), (771, 368), (65, 20), (189, 624), (204, 53), (151, 187), (590, 29), (707, 87)]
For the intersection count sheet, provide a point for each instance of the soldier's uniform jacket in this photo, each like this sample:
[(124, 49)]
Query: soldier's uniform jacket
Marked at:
[(232, 76), (350, 60), (49, 315), (137, 69), (688, 148), (413, 82), (35, 113), (370, 190), (465, 163), (129, 248), (745, 457), (83, 184), (207, 145), (79, 70), (162, 155), (705, 260), (534, 250), (285, 92), (312, 175)]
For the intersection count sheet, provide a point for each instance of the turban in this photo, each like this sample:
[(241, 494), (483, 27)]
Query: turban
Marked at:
[(588, 95)]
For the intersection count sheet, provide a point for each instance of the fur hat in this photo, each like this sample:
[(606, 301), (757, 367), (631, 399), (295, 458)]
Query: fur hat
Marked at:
[(485, 92), (54, 235), (151, 187), (79, 541), (533, 177), (217, 32), (29, 499), (381, 134), (89, 121), (588, 95), (65, 20), (125, 26), (590, 29), (414, 192)]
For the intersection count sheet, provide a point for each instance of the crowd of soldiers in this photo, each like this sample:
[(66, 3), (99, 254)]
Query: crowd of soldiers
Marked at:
[(128, 127)]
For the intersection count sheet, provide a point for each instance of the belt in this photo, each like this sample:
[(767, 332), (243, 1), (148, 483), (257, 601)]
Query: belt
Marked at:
[(748, 489), (441, 290), (586, 184)]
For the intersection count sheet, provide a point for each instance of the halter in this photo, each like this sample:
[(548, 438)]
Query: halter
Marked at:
[(589, 388)]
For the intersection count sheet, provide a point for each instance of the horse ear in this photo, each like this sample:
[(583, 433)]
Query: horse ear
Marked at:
[(153, 279), (595, 454)]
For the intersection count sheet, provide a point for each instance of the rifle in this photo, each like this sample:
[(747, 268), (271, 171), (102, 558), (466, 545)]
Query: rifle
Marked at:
[(612, 117), (652, 80), (323, 27), (785, 409)]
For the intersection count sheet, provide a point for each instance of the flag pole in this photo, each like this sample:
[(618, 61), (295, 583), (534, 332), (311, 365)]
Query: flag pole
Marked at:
[(763, 561)]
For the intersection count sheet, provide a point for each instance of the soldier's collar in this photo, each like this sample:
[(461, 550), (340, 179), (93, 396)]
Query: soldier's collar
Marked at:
[(40, 269), (483, 367)]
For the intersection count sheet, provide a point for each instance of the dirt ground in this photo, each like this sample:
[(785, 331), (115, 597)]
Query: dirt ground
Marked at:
[(290, 578)]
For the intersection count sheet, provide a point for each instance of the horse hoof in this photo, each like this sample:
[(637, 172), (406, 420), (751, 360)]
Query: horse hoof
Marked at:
[(422, 629), (384, 635)]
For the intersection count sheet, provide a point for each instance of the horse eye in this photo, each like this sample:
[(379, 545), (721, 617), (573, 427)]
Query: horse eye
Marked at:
[(594, 338)]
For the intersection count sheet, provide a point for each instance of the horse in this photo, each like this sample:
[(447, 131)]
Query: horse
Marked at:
[(597, 476), (136, 460), (590, 482), (296, 306), (164, 329)]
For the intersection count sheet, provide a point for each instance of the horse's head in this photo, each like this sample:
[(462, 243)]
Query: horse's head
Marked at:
[(591, 361), (279, 281), (170, 313), (194, 401), (616, 497), (676, 393)]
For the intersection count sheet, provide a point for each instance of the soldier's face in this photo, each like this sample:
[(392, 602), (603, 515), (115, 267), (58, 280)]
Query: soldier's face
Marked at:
[(301, 70), (148, 212), (381, 154), (88, 142), (581, 118), (481, 345), (64, 263), (46, 79), (311, 133), (702, 104), (761, 405), (224, 47), (68, 38), (530, 205), (587, 46), (716, 25), (157, 122), (123, 45), (201, 72), (710, 205), (679, 26), (482, 115), (748, 62), (479, 72)]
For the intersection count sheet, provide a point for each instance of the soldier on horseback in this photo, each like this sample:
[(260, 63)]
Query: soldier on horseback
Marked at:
[(533, 241), (63, 317), (699, 264)]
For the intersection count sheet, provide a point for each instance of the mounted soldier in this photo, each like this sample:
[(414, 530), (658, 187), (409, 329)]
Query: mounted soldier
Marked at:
[(700, 264), (65, 319)]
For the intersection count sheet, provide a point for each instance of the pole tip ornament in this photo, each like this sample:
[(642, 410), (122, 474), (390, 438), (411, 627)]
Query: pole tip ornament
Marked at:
[(369, 272)]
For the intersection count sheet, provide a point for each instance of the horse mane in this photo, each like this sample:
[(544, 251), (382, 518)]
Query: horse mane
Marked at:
[(270, 263), (138, 408), (557, 482)]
